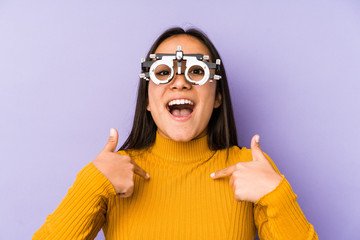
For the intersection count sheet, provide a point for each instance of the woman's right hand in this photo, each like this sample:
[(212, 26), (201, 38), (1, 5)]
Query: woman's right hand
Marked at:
[(118, 169)]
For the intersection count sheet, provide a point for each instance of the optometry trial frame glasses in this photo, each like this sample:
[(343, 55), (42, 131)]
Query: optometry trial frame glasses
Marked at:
[(161, 70)]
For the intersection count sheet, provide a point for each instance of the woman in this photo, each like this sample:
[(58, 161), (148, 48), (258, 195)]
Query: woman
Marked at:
[(180, 174)]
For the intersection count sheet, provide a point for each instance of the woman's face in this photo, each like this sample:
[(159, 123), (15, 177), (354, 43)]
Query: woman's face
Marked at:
[(189, 119)]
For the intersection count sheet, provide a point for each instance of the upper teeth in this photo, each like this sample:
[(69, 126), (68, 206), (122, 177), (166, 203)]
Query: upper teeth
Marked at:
[(180, 101)]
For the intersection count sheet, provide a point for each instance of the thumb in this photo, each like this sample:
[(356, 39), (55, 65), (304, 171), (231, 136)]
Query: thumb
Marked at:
[(112, 141), (256, 151)]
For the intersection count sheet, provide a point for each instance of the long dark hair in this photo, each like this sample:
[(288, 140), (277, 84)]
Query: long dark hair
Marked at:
[(221, 128)]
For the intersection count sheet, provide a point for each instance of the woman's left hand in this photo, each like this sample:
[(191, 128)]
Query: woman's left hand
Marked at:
[(251, 180)]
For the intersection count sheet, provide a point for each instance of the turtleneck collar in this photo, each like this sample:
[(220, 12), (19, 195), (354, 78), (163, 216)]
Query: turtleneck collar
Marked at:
[(182, 152)]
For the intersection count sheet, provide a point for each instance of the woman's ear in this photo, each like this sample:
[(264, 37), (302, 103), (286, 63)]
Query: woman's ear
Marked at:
[(218, 99)]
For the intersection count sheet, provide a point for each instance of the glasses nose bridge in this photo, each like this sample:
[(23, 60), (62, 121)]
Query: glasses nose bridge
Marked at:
[(175, 67), (179, 81)]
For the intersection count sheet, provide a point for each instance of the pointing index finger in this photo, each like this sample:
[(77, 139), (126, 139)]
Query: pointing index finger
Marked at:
[(223, 172), (139, 171)]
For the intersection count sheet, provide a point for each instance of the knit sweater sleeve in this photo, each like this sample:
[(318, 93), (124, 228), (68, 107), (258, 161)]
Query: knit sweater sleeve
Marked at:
[(81, 213), (278, 215)]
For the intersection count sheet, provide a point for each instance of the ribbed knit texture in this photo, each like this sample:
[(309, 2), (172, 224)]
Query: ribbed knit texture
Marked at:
[(180, 201)]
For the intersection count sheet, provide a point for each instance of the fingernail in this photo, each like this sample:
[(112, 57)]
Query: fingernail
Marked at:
[(147, 175), (257, 138), (212, 175), (112, 132)]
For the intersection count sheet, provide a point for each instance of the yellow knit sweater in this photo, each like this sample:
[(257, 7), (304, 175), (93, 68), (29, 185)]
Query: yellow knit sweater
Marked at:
[(180, 201)]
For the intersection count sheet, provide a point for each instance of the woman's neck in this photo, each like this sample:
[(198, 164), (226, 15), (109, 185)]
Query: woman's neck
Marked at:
[(185, 152)]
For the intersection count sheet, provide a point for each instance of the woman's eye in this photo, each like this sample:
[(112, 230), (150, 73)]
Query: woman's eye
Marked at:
[(197, 71), (163, 73)]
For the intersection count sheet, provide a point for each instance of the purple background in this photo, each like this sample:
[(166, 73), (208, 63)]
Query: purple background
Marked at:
[(68, 73)]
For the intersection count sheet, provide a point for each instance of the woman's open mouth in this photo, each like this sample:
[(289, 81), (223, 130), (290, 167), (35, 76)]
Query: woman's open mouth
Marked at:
[(180, 108)]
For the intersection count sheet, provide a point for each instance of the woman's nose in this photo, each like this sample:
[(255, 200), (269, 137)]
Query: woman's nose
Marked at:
[(180, 83)]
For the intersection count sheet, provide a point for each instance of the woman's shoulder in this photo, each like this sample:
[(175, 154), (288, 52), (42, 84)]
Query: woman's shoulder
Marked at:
[(235, 154), (243, 154), (124, 152), (133, 153), (239, 154)]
